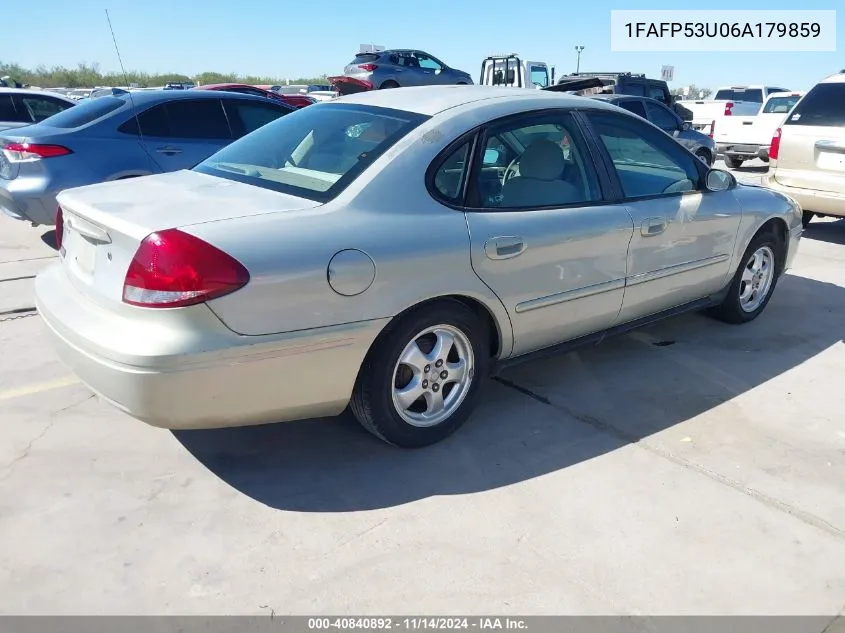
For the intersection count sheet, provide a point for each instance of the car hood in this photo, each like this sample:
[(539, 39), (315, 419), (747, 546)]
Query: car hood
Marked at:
[(140, 206)]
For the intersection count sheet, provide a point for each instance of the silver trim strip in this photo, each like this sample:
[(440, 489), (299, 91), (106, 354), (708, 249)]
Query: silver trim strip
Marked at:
[(676, 269), (569, 295)]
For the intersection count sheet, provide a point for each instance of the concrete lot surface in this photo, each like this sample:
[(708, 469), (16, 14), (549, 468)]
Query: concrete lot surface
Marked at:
[(688, 468)]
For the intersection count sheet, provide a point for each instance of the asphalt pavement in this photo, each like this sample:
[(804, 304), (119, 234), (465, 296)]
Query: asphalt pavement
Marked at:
[(691, 467)]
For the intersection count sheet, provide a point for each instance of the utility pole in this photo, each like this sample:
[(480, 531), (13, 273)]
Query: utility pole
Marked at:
[(578, 50)]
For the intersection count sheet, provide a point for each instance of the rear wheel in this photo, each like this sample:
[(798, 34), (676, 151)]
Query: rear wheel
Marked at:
[(421, 380), (733, 163), (754, 281), (806, 218), (389, 84)]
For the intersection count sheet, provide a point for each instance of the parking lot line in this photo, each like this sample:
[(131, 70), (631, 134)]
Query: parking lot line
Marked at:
[(28, 390)]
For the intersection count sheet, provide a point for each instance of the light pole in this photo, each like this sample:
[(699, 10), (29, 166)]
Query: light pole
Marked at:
[(578, 50)]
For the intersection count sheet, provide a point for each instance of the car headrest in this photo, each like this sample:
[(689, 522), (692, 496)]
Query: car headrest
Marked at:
[(542, 160)]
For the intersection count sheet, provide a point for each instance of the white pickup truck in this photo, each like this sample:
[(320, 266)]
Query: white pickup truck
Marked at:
[(746, 138), (729, 101)]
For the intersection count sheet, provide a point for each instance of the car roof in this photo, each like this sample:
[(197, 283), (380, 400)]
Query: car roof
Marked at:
[(430, 100), (838, 78), (151, 96), (212, 86)]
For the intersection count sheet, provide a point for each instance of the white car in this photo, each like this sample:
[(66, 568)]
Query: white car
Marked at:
[(708, 115), (746, 138)]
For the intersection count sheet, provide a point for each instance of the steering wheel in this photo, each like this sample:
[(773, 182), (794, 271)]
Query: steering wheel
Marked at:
[(511, 170)]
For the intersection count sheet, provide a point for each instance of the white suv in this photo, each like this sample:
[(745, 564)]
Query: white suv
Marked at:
[(807, 154)]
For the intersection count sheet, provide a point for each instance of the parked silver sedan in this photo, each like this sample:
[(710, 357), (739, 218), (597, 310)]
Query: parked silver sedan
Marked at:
[(393, 249)]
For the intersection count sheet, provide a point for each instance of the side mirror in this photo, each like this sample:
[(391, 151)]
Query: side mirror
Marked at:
[(491, 156), (719, 180)]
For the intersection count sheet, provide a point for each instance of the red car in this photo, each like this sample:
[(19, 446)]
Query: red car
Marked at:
[(294, 101)]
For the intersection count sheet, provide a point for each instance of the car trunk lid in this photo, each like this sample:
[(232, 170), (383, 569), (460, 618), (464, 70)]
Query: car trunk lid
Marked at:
[(104, 224)]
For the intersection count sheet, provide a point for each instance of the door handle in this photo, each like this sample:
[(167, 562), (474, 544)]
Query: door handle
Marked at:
[(504, 247), (653, 226), (168, 150)]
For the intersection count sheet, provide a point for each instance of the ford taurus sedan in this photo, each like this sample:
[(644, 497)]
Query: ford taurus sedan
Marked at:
[(389, 251)]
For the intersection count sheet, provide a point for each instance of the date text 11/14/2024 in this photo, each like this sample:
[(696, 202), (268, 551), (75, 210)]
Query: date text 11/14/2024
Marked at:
[(417, 623)]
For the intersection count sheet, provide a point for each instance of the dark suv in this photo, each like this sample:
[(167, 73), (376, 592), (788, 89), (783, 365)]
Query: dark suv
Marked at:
[(626, 83)]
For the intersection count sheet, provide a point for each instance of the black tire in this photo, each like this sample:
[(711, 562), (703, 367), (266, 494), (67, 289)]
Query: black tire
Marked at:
[(388, 84), (372, 397), (730, 310), (704, 155), (462, 83), (733, 163), (806, 218)]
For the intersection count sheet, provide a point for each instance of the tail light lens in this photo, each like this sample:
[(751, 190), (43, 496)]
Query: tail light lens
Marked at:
[(368, 67), (712, 129), (60, 228), (728, 107), (775, 145), (173, 269), (30, 151)]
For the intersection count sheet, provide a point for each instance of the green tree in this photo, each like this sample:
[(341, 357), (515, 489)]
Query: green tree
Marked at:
[(87, 75)]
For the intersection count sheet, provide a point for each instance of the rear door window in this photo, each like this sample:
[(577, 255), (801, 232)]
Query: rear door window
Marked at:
[(183, 118), (198, 119), (824, 106)]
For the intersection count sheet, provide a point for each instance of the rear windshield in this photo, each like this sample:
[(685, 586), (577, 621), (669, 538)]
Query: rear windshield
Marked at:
[(363, 58), (780, 105), (824, 105), (84, 113), (740, 94), (312, 153)]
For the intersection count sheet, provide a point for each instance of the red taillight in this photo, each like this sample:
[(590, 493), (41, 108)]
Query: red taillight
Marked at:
[(368, 67), (728, 107), (775, 145), (60, 227), (712, 128), (173, 269), (36, 150)]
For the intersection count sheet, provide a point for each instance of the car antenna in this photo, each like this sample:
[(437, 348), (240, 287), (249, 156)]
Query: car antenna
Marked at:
[(129, 94)]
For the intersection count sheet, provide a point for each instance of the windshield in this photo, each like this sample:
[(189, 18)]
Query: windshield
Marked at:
[(780, 105), (84, 113), (314, 152)]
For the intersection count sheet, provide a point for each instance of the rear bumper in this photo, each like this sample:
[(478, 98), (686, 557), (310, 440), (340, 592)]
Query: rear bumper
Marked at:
[(824, 202), (183, 369), (743, 151), (30, 204)]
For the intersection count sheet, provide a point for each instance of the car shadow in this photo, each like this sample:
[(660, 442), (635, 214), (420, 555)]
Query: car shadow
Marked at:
[(831, 232), (538, 417), (49, 238)]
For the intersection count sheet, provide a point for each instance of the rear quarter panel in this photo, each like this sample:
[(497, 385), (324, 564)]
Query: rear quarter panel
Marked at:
[(759, 206)]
